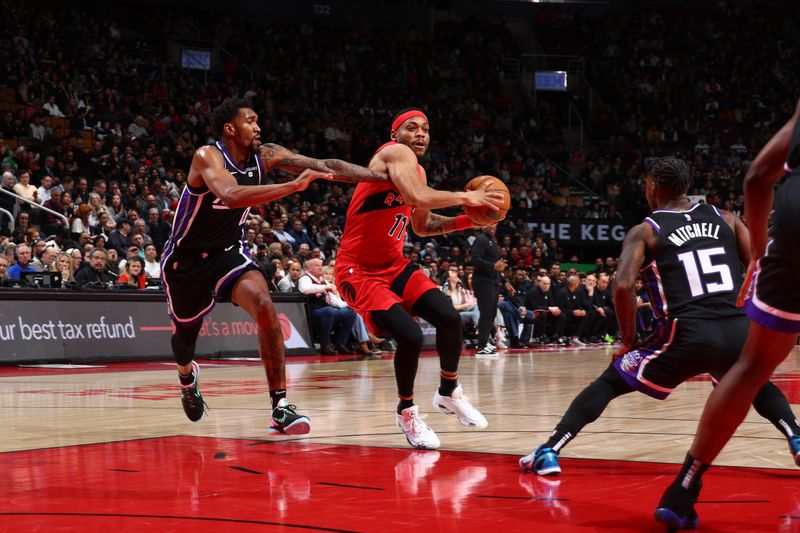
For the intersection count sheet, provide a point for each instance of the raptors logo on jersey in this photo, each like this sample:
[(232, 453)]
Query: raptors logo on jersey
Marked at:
[(376, 225)]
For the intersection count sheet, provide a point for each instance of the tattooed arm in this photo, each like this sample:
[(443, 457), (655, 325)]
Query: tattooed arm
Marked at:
[(426, 223), (275, 156)]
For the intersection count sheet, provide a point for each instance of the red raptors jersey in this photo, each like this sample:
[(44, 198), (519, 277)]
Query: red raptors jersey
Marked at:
[(376, 225)]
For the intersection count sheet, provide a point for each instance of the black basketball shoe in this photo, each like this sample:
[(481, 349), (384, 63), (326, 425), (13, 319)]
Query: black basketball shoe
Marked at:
[(285, 421), (191, 399)]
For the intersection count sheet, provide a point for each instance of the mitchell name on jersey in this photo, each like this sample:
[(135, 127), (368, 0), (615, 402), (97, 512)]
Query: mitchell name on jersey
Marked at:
[(696, 230)]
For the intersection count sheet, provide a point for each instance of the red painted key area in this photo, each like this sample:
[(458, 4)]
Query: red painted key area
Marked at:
[(208, 484)]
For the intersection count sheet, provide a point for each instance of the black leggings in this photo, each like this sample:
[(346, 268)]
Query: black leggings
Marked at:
[(436, 308), (183, 342), (487, 293)]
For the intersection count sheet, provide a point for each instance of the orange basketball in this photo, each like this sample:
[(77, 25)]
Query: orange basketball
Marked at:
[(483, 215)]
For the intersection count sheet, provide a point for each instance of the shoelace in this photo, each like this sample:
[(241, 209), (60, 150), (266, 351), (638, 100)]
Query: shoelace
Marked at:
[(195, 395), (288, 407), (417, 424)]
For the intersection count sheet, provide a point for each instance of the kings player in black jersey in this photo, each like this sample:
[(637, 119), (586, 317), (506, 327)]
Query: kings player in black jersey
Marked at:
[(690, 259), (771, 298), (206, 260)]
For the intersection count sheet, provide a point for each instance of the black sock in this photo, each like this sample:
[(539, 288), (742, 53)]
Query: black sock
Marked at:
[(186, 380), (559, 437), (448, 381), (690, 474), (276, 396), (772, 404), (587, 406), (404, 404)]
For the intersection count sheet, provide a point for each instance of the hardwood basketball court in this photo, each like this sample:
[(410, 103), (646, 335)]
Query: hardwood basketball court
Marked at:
[(94, 449)]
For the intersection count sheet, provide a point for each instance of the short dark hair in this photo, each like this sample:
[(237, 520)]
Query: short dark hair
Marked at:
[(224, 113), (670, 173)]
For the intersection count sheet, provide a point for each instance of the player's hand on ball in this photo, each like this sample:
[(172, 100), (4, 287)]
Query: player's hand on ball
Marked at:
[(484, 197)]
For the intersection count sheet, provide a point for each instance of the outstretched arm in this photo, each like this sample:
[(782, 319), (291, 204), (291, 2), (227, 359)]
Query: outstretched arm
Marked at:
[(208, 167), (630, 262), (767, 168), (401, 164), (275, 156), (426, 224)]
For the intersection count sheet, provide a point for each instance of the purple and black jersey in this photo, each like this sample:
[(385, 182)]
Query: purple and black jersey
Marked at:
[(202, 222), (695, 273)]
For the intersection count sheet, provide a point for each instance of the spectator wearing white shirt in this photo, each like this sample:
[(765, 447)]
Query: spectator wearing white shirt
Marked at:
[(324, 316), (283, 236), (151, 265), (52, 107), (290, 283)]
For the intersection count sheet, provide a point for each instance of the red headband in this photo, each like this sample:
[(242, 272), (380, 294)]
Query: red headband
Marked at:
[(396, 123)]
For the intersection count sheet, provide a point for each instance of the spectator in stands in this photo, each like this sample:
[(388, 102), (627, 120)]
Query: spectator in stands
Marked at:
[(542, 302), (52, 224), (45, 189), (23, 259), (360, 331), (52, 107), (325, 317), (140, 230), (573, 314), (27, 191), (120, 238), (48, 258), (644, 310), (7, 202), (299, 235), (157, 228), (463, 300), (63, 264), (151, 265), (112, 262), (96, 273), (605, 319), (4, 266), (587, 292), (134, 275), (282, 236), (290, 283), (77, 259), (81, 224), (512, 306)]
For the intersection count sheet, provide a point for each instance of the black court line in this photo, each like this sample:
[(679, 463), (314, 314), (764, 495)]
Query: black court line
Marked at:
[(243, 469), (733, 501), (347, 486), (220, 455), (199, 518), (122, 470), (526, 498), (791, 517)]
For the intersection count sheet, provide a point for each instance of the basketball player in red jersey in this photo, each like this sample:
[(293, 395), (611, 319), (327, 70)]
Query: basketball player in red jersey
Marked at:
[(387, 289), (206, 260)]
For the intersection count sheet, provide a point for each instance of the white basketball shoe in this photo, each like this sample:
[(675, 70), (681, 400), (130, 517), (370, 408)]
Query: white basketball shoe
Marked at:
[(417, 432), (458, 404)]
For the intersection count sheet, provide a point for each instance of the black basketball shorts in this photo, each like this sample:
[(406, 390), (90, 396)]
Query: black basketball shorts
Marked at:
[(681, 348), (774, 299), (194, 281)]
